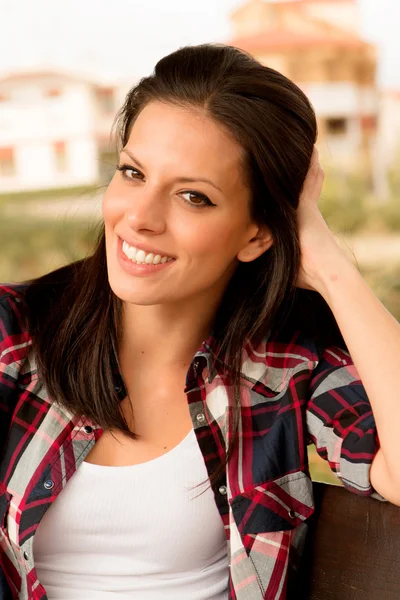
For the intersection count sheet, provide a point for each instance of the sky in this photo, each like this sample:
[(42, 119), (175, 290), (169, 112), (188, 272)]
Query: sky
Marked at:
[(125, 38)]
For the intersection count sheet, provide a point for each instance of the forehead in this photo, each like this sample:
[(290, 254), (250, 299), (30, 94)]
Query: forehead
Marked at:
[(185, 138)]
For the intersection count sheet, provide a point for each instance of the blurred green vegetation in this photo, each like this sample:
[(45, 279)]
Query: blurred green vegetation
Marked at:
[(385, 281), (52, 194), (34, 245), (350, 207)]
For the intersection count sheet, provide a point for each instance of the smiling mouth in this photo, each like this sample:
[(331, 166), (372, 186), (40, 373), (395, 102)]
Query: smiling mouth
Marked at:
[(140, 257)]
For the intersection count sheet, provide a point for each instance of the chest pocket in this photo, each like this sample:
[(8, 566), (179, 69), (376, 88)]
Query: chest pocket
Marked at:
[(278, 505)]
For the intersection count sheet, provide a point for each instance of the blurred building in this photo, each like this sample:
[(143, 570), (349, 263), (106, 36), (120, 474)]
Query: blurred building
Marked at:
[(389, 126), (316, 43), (387, 148), (54, 130)]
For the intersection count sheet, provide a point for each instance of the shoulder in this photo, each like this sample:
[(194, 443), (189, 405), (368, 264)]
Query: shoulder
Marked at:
[(272, 362), (286, 350), (13, 328), (15, 344), (12, 290), (280, 359)]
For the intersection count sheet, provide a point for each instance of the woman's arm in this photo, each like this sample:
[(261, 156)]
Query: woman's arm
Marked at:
[(371, 333), (372, 336)]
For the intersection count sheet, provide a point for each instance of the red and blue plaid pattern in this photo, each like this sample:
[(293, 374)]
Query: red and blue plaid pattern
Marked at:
[(293, 393)]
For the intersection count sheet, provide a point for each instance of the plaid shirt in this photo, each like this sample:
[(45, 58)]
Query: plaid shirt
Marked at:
[(294, 393)]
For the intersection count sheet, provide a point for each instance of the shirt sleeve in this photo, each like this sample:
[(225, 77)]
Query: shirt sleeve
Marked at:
[(340, 420), (13, 350)]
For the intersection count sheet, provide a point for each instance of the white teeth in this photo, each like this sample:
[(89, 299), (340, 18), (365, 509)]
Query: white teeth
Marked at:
[(140, 257), (149, 258), (130, 251)]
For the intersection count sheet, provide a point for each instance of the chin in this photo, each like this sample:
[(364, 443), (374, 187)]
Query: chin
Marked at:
[(128, 292)]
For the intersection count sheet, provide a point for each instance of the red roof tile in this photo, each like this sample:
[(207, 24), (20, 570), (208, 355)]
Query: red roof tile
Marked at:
[(301, 3), (281, 40)]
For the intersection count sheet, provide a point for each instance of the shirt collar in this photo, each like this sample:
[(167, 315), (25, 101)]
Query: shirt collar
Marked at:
[(208, 355)]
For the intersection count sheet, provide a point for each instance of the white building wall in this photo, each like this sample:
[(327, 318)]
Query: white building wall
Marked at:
[(342, 99), (343, 149), (389, 127), (32, 122), (33, 164), (83, 159)]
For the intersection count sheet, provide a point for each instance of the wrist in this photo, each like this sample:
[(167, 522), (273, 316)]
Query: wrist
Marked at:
[(334, 273)]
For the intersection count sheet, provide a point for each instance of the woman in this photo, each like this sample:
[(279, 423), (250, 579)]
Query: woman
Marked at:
[(186, 364)]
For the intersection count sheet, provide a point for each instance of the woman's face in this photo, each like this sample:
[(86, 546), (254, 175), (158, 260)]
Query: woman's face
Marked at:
[(181, 201)]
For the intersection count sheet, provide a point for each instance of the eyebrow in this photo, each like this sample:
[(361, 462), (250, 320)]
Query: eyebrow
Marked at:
[(183, 179)]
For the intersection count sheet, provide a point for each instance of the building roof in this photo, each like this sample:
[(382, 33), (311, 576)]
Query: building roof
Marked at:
[(60, 74), (285, 40), (328, 1), (300, 4), (38, 74), (327, 33), (391, 93)]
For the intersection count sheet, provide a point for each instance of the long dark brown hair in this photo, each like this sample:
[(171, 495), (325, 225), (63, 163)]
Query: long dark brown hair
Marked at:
[(75, 318)]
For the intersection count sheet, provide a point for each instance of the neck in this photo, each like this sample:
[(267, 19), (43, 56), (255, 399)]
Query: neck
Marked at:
[(166, 335)]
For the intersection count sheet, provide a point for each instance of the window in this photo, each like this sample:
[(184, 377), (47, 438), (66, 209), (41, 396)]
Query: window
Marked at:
[(336, 126), (106, 100), (27, 93), (7, 162), (60, 153), (53, 93), (369, 123)]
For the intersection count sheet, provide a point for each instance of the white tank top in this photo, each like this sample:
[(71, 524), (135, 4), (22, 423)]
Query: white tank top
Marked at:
[(135, 531)]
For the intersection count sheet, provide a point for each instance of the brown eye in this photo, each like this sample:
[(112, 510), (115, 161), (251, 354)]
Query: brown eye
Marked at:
[(203, 200), (129, 172)]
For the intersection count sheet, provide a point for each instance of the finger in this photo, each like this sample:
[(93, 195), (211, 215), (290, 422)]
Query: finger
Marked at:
[(312, 186), (314, 162)]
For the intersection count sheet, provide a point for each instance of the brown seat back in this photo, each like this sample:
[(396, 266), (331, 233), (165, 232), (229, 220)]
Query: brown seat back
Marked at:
[(352, 550)]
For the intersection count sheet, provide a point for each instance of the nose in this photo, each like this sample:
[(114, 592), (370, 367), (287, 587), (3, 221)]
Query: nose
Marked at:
[(146, 212)]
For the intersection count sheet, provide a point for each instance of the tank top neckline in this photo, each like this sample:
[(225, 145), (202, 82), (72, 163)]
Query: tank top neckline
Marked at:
[(148, 463)]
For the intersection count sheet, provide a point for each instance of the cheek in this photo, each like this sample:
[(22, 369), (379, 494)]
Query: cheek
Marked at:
[(214, 240)]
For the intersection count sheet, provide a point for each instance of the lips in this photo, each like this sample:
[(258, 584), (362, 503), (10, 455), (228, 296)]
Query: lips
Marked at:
[(145, 247), (140, 269), (139, 256)]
